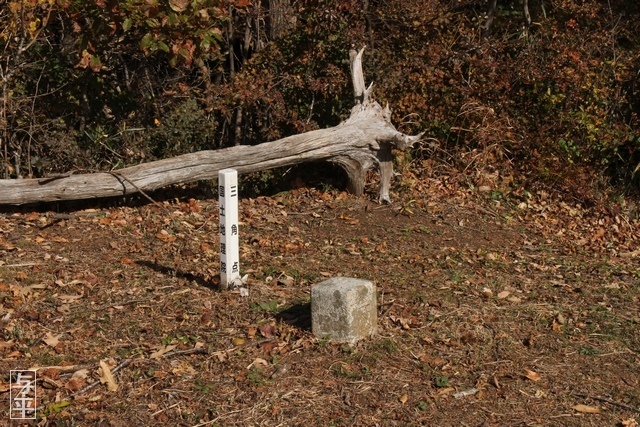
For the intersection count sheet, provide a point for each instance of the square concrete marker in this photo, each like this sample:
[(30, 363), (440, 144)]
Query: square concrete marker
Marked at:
[(344, 308)]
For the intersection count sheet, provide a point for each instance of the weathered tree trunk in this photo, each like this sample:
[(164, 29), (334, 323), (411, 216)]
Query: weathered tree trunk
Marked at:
[(365, 139)]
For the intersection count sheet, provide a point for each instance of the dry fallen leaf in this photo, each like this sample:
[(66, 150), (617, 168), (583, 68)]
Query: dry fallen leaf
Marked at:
[(75, 384), (404, 398), (267, 330), (70, 298), (629, 423), (165, 236), (251, 332), (445, 391), (533, 376), (184, 368), (238, 341), (51, 340), (503, 294), (164, 349), (80, 374), (258, 361), (107, 377), (587, 409)]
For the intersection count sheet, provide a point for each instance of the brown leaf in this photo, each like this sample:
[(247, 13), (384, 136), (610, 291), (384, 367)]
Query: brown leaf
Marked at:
[(179, 5), (70, 298), (238, 341), (80, 374), (51, 340), (75, 384), (267, 330), (184, 368), (287, 280), (270, 347), (587, 409), (164, 349), (258, 361), (106, 377), (52, 373), (6, 344), (503, 294), (533, 376), (404, 398), (251, 332), (165, 236)]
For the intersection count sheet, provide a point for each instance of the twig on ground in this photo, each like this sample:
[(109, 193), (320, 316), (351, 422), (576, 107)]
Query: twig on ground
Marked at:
[(63, 369), (116, 304), (24, 264), (386, 310), (606, 400), (199, 350), (206, 423), (165, 409), (204, 350)]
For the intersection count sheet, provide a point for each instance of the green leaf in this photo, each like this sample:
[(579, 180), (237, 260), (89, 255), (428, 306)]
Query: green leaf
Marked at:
[(146, 41), (442, 381), (163, 46), (126, 25), (94, 63), (57, 407), (153, 23)]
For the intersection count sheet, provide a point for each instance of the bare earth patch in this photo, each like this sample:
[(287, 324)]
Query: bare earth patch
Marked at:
[(490, 313)]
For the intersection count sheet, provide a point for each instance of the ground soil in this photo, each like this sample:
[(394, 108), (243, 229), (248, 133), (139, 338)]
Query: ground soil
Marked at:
[(526, 301)]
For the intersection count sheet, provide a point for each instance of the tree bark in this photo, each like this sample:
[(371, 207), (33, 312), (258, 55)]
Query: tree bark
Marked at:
[(365, 139)]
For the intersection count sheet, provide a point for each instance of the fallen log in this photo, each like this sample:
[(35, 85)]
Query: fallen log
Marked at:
[(365, 139)]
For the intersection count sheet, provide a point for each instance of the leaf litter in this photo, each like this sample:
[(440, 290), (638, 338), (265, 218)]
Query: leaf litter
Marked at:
[(528, 309)]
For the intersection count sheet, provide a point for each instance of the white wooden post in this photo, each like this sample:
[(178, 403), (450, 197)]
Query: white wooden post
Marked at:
[(229, 247)]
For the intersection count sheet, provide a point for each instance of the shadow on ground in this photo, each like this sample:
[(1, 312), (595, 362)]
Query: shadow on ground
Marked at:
[(298, 316), (213, 283)]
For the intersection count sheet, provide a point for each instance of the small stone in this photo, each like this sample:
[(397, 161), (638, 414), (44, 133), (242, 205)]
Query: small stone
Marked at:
[(344, 309)]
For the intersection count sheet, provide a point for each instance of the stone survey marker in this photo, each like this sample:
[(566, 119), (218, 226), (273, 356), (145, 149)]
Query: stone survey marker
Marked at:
[(344, 309)]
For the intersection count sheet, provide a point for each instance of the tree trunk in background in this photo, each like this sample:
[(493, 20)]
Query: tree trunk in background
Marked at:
[(281, 18), (365, 139)]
